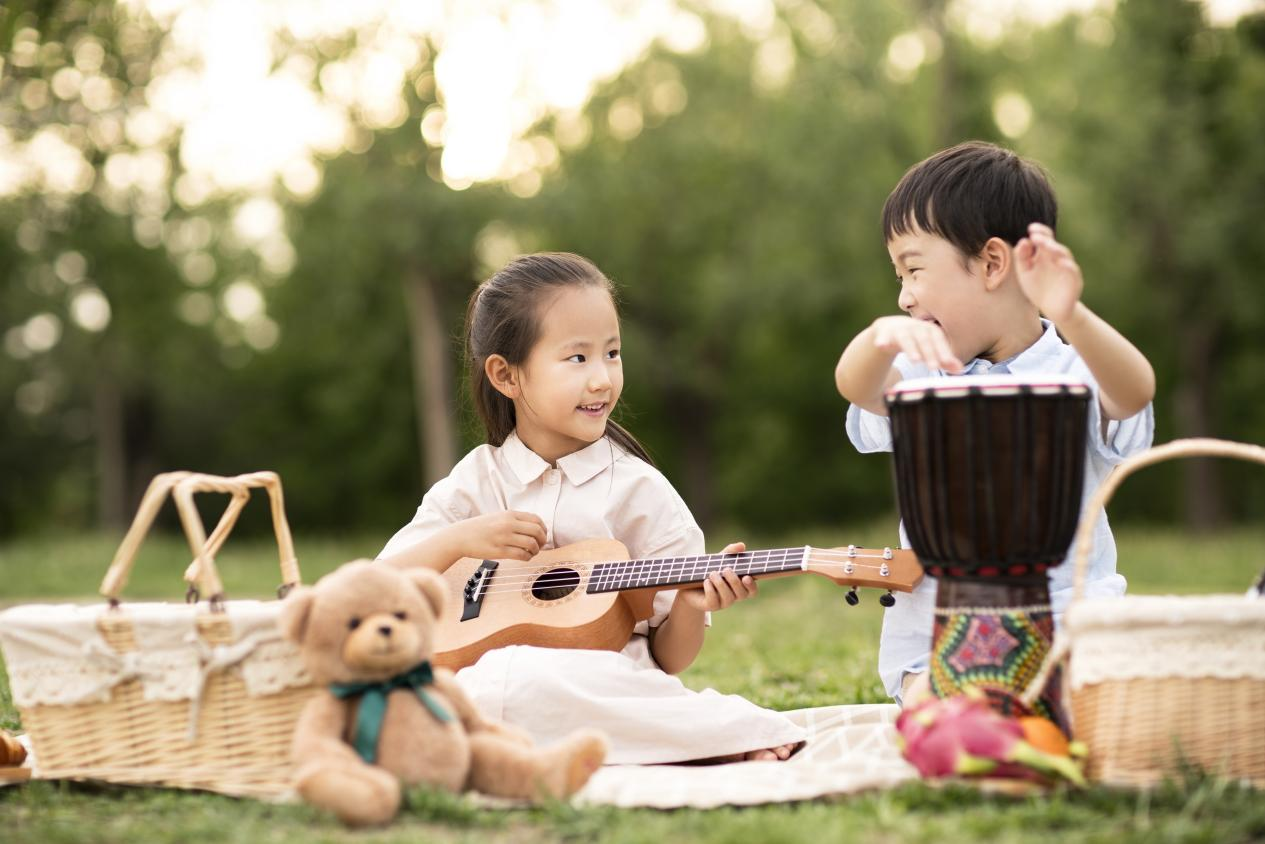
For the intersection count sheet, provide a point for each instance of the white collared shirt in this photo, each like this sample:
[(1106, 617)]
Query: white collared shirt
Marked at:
[(906, 638), (598, 492)]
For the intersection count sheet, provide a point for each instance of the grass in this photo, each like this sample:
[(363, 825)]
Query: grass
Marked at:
[(798, 644)]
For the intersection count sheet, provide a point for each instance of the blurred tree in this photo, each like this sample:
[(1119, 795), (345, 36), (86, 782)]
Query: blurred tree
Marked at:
[(1152, 133)]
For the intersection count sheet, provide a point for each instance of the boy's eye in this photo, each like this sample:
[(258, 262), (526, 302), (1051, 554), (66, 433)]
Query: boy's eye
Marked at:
[(576, 358)]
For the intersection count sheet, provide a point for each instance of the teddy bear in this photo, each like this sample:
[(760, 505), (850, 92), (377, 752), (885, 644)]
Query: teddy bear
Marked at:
[(385, 717)]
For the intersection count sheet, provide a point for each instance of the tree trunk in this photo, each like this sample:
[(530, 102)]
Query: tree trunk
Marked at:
[(108, 424), (947, 131), (432, 377), (1203, 505), (693, 431)]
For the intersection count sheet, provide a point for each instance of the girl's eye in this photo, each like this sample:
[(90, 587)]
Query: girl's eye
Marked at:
[(401, 615), (613, 354), (576, 358), (353, 623)]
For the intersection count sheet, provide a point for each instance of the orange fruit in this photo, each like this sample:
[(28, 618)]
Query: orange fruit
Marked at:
[(1044, 734)]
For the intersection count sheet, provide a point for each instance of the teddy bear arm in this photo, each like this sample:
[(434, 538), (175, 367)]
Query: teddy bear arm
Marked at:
[(319, 732), (469, 716)]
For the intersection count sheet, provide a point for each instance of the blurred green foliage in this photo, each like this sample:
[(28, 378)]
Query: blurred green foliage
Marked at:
[(740, 221)]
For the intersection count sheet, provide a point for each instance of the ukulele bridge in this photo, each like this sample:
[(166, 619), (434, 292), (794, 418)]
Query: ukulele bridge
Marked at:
[(476, 587)]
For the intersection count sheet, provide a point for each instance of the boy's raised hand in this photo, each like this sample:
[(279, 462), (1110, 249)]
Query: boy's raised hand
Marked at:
[(1048, 274), (922, 341), (721, 589), (510, 534)]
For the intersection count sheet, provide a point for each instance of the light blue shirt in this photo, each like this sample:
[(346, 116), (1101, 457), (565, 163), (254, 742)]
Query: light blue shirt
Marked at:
[(905, 643)]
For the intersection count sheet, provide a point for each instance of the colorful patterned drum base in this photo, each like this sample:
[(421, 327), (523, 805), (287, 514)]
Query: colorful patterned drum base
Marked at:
[(998, 650)]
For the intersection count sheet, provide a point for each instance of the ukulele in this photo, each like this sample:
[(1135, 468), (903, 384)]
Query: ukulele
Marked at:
[(589, 595)]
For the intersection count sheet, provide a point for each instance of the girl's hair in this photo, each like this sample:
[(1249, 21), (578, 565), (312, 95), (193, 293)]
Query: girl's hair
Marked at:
[(503, 318)]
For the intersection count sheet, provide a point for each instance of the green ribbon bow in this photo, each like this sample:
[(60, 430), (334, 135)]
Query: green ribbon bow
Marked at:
[(373, 705)]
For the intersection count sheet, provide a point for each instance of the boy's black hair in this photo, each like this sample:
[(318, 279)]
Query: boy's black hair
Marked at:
[(969, 193)]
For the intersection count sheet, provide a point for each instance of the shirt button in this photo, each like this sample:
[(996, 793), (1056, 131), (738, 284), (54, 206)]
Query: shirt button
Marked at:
[(551, 477)]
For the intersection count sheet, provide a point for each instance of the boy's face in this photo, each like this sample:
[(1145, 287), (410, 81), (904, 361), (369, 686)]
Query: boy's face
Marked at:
[(940, 285)]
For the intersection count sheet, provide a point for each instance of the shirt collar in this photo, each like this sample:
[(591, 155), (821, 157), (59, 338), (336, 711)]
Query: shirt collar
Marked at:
[(579, 466), (589, 461), (1036, 358), (526, 464)]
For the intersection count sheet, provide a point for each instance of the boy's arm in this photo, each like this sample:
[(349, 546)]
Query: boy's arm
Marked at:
[(1126, 382), (865, 370), (1052, 281)]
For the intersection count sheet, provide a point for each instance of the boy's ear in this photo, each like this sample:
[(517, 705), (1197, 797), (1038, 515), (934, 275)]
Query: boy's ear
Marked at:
[(997, 258), (501, 375), (295, 611)]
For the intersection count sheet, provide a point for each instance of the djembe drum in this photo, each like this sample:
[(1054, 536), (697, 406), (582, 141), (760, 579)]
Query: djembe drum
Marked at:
[(989, 471)]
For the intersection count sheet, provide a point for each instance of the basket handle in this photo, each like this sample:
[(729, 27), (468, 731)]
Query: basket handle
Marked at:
[(1199, 447), (182, 486), (1194, 447)]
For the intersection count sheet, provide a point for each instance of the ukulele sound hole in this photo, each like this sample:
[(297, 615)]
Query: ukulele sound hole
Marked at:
[(555, 584)]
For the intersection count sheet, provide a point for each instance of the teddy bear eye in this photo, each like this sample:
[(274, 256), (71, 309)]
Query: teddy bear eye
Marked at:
[(401, 615), (354, 623)]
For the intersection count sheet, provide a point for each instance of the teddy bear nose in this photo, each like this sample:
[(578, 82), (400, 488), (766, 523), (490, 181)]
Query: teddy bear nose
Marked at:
[(385, 630)]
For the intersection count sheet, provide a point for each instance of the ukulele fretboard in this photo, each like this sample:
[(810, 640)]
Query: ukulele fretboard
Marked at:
[(674, 571)]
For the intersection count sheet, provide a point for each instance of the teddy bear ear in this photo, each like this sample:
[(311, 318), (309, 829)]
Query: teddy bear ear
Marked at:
[(430, 585), (295, 611)]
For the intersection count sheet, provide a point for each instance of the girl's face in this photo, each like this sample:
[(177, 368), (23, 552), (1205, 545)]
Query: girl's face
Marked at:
[(574, 375)]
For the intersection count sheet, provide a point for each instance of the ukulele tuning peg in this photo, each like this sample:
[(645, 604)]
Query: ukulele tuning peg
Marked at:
[(852, 597), (888, 599)]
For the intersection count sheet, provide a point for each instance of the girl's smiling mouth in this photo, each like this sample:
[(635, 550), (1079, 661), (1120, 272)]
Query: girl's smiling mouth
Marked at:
[(595, 409)]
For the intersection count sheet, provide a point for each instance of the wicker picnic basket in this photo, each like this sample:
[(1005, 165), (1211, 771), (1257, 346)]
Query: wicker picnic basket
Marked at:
[(202, 695), (1162, 684)]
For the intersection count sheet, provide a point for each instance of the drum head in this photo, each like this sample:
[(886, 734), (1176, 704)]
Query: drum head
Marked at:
[(954, 386)]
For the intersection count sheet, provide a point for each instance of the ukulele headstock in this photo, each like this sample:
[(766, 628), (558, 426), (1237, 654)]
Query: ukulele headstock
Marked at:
[(894, 569)]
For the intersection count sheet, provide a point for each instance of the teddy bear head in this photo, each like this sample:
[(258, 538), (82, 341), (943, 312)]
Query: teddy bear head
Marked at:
[(364, 621)]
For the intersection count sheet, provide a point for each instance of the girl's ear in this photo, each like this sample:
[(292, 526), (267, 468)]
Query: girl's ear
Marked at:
[(997, 259), (502, 376)]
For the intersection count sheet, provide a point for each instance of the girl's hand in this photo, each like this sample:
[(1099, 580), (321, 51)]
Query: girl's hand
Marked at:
[(509, 535), (721, 589), (1048, 274), (921, 340)]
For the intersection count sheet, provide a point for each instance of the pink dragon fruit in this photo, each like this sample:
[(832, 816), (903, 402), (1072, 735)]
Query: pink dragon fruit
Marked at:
[(963, 736)]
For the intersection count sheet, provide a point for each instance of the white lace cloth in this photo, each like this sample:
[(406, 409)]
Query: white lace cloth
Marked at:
[(56, 655), (1152, 637)]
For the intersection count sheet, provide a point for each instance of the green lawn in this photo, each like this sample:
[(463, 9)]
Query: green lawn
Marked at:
[(798, 644)]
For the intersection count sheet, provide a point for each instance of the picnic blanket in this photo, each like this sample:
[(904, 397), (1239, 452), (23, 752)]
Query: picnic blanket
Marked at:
[(849, 749)]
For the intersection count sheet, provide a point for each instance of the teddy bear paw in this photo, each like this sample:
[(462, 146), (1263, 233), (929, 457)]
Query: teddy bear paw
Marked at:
[(364, 797), (581, 755)]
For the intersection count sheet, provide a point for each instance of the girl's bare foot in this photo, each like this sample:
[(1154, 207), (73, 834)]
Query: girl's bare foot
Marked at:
[(770, 754)]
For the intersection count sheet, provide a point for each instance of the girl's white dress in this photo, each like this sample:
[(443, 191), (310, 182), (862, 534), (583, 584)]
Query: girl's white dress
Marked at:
[(598, 492)]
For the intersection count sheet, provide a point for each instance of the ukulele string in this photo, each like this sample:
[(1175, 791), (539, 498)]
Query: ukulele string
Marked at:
[(570, 577)]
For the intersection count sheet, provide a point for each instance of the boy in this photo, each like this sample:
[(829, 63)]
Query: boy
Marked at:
[(984, 283)]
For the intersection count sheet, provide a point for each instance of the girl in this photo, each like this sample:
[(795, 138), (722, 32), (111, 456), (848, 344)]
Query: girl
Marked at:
[(542, 341)]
